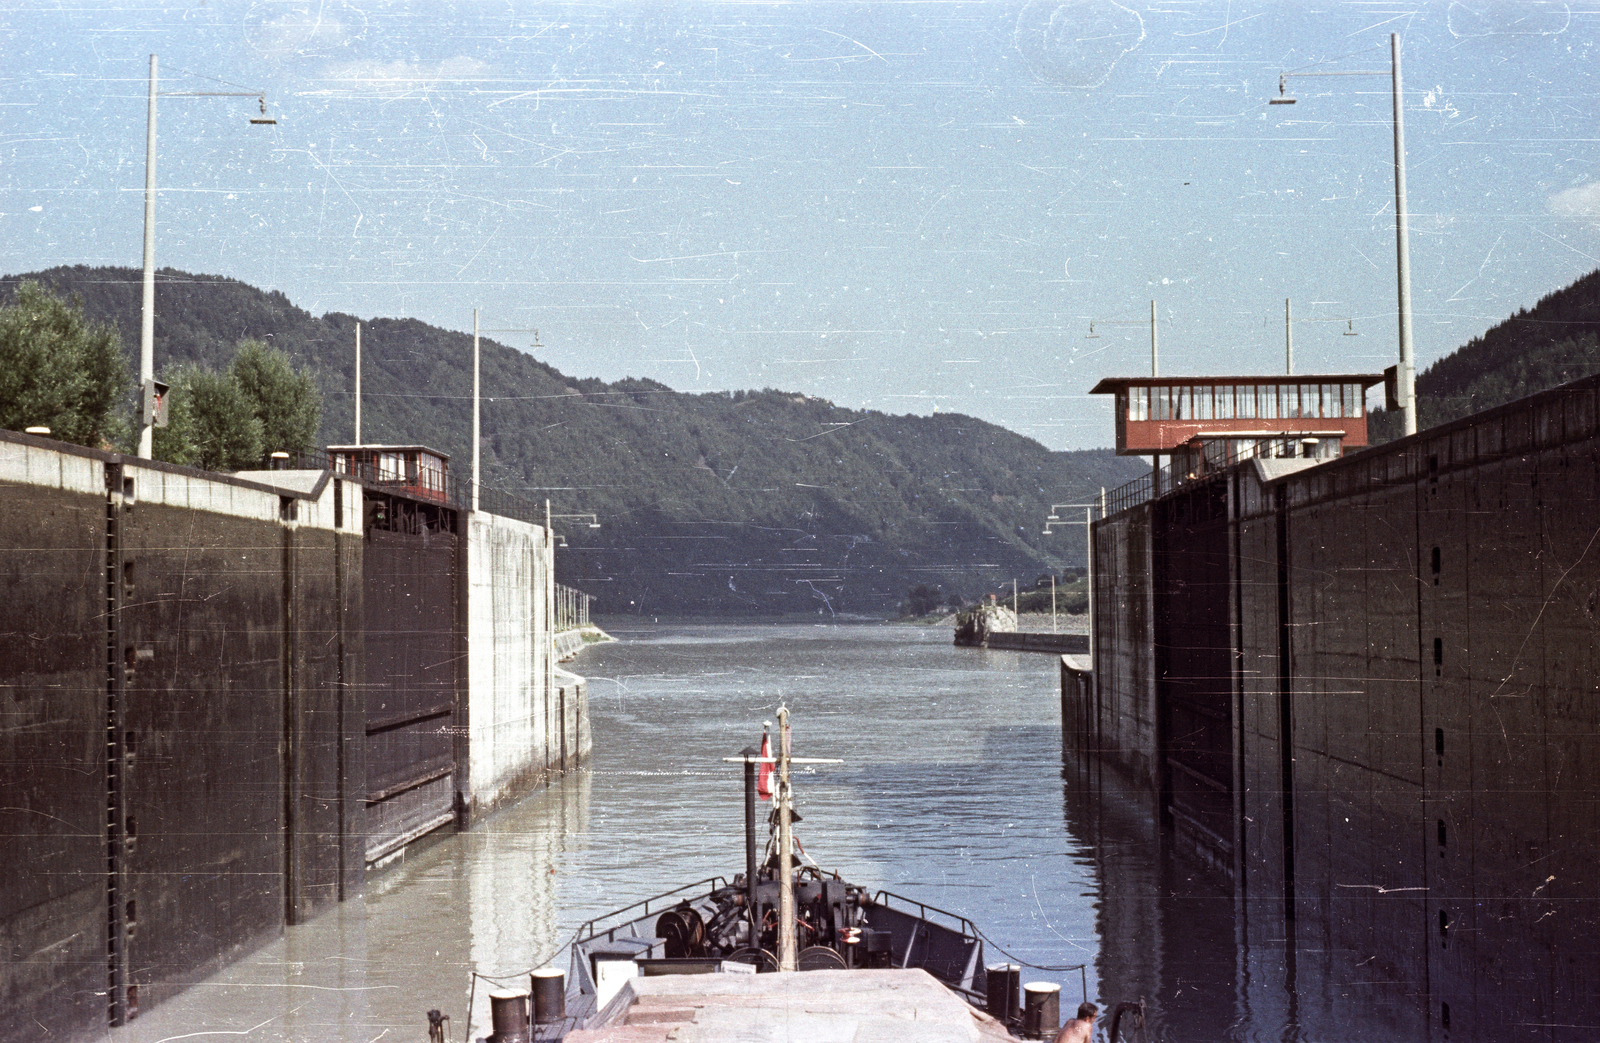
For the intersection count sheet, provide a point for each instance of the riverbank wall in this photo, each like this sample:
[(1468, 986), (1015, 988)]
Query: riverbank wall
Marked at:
[(228, 696), (1058, 644), (526, 717), (1366, 690)]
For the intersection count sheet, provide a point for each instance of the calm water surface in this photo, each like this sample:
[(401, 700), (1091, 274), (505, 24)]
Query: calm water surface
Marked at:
[(951, 792)]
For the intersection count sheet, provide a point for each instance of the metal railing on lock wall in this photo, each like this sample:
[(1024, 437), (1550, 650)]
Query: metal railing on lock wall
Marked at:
[(446, 489), (572, 608), (1215, 456)]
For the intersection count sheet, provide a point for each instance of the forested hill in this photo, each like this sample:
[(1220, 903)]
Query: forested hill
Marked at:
[(753, 502), (1555, 341)]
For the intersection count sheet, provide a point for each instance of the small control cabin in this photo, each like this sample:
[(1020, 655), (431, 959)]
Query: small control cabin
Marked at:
[(1232, 418), (409, 470)]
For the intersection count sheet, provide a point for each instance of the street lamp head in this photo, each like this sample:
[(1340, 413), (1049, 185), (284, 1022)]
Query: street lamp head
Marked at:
[(1283, 91), (263, 120)]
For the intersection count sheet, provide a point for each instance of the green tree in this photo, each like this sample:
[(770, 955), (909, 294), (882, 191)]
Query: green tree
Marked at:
[(58, 370), (922, 600), (210, 423), (287, 403)]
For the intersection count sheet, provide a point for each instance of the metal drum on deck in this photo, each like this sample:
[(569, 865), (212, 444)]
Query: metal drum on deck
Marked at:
[(549, 995), (1002, 982), (508, 1013), (1041, 1009)]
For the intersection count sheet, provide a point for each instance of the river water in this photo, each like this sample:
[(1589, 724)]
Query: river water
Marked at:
[(952, 792)]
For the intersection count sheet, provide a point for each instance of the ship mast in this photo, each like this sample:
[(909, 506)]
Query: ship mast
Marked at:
[(788, 949), (786, 931)]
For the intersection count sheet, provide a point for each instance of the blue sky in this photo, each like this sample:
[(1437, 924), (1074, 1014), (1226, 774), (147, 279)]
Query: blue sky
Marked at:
[(904, 206)]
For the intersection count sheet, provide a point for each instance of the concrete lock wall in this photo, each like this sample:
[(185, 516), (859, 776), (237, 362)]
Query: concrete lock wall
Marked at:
[(1415, 662), (1124, 710), (53, 667), (527, 718), (175, 647), (184, 748)]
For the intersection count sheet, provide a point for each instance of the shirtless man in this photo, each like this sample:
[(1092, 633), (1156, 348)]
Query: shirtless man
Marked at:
[(1080, 1028)]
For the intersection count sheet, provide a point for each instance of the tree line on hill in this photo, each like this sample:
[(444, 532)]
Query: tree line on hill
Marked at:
[(749, 502), (1555, 341), (67, 375)]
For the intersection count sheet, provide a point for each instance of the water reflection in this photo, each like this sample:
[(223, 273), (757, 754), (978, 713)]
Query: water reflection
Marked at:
[(1166, 923), (1210, 960)]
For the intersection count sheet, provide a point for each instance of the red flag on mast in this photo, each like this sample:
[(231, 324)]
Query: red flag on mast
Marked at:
[(764, 772)]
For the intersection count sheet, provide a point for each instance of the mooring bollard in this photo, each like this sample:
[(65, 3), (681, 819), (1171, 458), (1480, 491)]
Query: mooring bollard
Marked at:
[(549, 995), (1000, 986), (1041, 1009), (508, 1013)]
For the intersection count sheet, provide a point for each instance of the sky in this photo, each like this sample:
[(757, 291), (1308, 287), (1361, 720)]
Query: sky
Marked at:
[(909, 206)]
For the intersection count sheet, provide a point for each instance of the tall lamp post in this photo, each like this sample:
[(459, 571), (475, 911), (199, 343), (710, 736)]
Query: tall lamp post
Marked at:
[(1155, 458), (147, 316), (550, 604), (477, 398), (1088, 537), (1288, 333), (1405, 372)]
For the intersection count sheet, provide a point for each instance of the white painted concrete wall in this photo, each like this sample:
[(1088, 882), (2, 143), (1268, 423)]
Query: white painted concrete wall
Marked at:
[(516, 718)]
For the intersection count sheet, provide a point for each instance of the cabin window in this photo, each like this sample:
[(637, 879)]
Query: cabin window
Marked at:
[(430, 473), (391, 467), (1224, 403), (1246, 398), (1138, 404), (1203, 403), (1163, 403), (1267, 402)]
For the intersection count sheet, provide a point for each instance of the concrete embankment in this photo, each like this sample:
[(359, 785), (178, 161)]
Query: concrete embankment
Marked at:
[(1075, 644), (570, 642), (527, 718), (994, 626)]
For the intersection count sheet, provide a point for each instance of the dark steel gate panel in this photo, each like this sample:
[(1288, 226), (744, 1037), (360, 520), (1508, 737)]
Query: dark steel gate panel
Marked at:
[(411, 664), (1194, 661)]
